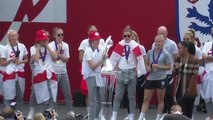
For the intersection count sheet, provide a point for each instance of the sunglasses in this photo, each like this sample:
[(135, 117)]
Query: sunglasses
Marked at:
[(60, 35), (125, 36)]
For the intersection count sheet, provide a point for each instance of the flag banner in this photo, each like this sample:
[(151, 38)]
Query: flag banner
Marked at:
[(51, 11), (195, 14)]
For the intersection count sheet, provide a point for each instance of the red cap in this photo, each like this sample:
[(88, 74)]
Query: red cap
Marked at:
[(94, 36), (41, 35)]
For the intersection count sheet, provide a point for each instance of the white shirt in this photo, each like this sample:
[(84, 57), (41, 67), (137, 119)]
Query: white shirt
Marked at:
[(40, 66), (61, 67), (198, 53), (95, 56), (143, 50), (207, 50), (85, 44), (131, 62), (8, 54), (1, 51)]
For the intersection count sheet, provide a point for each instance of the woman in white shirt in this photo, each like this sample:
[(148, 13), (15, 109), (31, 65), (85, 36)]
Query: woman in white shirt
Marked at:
[(44, 78), (14, 59), (91, 69)]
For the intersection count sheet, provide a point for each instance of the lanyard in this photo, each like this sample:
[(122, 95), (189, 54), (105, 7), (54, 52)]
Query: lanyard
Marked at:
[(43, 57), (156, 61), (127, 51), (56, 47), (16, 52)]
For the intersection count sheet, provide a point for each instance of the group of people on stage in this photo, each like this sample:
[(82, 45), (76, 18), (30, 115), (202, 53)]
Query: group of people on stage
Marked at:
[(48, 64), (177, 73), (173, 71)]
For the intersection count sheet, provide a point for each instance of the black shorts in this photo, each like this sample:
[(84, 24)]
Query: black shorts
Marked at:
[(155, 84)]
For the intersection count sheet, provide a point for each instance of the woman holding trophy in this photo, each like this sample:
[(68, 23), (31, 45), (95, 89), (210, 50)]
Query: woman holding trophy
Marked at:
[(93, 59)]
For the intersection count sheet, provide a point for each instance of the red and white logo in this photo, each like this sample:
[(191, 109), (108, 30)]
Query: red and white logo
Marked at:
[(16, 12)]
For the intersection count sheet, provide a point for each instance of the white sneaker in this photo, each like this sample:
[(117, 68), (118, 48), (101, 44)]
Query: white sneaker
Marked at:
[(70, 114), (127, 117), (112, 118), (30, 114), (86, 117), (142, 118), (208, 118), (102, 117)]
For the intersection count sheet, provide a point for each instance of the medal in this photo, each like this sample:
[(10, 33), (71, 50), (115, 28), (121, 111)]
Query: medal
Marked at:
[(155, 61), (16, 52), (57, 62), (42, 57), (127, 52)]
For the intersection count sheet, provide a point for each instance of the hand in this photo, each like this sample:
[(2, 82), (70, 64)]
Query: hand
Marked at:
[(47, 42), (38, 46), (13, 59), (53, 114), (204, 56), (155, 66), (19, 116), (17, 62), (59, 47)]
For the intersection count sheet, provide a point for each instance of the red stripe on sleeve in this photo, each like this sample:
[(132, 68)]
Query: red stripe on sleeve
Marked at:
[(118, 49), (137, 51)]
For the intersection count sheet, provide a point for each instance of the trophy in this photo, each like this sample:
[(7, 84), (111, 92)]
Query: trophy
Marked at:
[(107, 66)]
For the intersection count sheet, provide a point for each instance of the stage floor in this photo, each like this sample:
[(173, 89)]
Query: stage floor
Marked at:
[(61, 109)]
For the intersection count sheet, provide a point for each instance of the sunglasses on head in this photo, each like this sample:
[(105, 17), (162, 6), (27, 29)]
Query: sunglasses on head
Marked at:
[(125, 36), (60, 35)]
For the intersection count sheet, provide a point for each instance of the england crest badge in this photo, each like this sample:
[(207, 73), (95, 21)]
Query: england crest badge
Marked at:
[(197, 15)]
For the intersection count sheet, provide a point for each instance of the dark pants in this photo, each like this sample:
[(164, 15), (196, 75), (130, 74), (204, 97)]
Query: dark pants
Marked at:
[(168, 99), (140, 90), (187, 105)]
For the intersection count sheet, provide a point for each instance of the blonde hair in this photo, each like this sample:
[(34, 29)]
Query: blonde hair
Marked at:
[(1, 118), (136, 35), (193, 32), (190, 34), (176, 108), (90, 27), (39, 116), (8, 34), (127, 29), (160, 36)]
